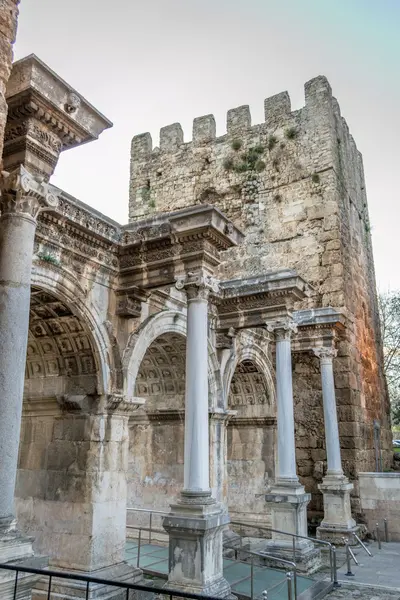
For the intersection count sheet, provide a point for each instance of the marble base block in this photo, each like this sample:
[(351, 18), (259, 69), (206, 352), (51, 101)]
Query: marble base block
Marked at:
[(195, 526), (17, 550), (289, 515), (338, 522)]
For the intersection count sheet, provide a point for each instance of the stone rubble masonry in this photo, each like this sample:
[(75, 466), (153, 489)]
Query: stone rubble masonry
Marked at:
[(295, 186), (8, 31)]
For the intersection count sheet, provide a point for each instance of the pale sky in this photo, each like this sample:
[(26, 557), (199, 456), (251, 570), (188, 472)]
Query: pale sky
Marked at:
[(145, 64)]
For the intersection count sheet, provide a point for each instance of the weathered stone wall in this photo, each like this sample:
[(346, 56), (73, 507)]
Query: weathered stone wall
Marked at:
[(71, 485), (379, 495), (8, 31), (295, 185)]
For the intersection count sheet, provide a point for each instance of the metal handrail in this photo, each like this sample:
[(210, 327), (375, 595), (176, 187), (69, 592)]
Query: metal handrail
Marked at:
[(332, 548), (250, 552), (51, 574)]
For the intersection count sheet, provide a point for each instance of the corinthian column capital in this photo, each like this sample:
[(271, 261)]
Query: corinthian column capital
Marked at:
[(23, 193), (325, 354), (197, 285), (282, 328)]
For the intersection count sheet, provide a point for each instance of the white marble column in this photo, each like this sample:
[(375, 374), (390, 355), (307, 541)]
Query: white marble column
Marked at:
[(22, 198), (196, 457), (288, 497), (195, 524), (286, 454), (335, 487), (334, 461)]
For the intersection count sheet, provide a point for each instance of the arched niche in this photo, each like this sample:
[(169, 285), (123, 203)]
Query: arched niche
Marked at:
[(251, 433)]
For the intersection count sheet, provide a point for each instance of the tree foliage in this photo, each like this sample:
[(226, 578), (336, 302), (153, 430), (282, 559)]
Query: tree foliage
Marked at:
[(389, 309)]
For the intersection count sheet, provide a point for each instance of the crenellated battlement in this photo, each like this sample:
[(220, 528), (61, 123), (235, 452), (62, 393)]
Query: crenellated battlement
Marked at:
[(277, 111)]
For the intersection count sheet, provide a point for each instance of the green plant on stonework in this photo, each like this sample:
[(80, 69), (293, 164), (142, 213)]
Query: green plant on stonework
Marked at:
[(250, 161), (315, 178), (47, 257), (152, 203), (236, 145), (145, 193), (291, 133), (272, 141)]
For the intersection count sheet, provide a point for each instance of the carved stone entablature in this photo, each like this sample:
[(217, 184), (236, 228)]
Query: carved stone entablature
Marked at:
[(317, 327), (128, 307), (197, 285), (160, 416), (76, 246), (45, 117), (88, 218), (129, 303), (252, 302), (252, 421), (121, 405), (155, 251), (22, 193)]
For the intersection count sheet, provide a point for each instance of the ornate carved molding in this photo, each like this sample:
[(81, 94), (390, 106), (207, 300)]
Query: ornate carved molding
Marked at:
[(121, 405), (325, 354), (197, 285), (22, 193), (252, 422), (282, 329)]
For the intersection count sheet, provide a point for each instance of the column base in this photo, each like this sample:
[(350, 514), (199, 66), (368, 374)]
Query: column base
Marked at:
[(195, 526), (69, 590), (337, 522), (289, 514), (17, 550)]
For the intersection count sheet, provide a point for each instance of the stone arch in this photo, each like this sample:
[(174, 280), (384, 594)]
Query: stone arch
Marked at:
[(69, 371), (69, 292), (251, 347), (154, 365), (161, 323), (250, 391)]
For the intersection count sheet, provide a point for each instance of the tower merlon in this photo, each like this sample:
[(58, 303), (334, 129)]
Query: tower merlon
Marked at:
[(141, 147), (204, 129), (317, 90), (171, 137), (276, 107), (238, 119)]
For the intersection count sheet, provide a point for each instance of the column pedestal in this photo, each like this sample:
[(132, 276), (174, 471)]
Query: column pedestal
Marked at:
[(338, 522), (289, 514), (195, 526)]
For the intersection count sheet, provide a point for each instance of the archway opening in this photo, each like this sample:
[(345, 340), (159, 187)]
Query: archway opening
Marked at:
[(156, 432), (250, 443), (62, 376)]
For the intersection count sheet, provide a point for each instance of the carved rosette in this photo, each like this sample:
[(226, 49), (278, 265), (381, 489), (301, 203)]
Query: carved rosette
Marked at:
[(325, 354), (197, 286), (282, 329), (24, 194)]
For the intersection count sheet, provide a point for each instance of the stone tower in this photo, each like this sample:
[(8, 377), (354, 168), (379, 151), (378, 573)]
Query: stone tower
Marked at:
[(8, 31), (295, 186)]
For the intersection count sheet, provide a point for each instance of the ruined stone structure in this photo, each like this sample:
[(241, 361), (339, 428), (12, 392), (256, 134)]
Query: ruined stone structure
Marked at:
[(217, 357)]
